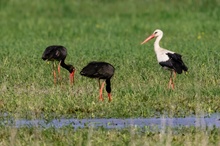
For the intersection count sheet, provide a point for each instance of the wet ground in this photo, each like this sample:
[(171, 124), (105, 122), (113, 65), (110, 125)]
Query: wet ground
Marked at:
[(202, 121)]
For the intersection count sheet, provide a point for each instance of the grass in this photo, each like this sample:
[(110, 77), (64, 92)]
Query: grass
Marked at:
[(111, 32), (108, 31), (123, 137)]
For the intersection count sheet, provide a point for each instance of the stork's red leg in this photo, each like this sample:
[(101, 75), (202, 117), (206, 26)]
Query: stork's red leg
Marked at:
[(171, 77), (171, 83), (109, 97), (54, 73), (174, 76), (100, 91), (59, 70), (100, 95)]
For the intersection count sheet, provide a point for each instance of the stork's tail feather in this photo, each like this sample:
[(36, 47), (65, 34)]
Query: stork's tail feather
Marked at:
[(184, 68)]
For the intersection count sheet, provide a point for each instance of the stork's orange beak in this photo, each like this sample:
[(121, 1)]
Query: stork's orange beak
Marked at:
[(147, 39)]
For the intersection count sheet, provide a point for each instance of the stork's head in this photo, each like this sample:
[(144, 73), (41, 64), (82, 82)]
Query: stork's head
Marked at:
[(156, 33)]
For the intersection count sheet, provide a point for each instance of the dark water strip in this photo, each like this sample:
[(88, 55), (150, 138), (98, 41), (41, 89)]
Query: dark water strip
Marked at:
[(210, 122)]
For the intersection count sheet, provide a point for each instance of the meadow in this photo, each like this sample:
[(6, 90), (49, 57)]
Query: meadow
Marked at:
[(108, 31)]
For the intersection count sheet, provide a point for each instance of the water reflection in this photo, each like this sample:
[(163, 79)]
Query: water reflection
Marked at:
[(213, 120)]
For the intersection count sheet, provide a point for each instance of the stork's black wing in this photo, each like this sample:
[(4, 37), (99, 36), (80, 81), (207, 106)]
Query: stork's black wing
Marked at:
[(54, 53), (177, 62), (101, 70)]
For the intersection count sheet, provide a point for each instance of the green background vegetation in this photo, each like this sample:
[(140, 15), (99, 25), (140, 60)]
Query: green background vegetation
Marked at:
[(110, 31)]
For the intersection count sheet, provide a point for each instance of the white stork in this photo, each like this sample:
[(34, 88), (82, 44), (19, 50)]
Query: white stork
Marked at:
[(167, 59)]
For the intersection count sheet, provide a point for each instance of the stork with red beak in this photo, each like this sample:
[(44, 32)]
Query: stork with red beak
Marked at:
[(167, 59), (58, 53)]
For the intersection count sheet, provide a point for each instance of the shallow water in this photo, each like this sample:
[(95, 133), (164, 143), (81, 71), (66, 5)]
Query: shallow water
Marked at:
[(209, 121)]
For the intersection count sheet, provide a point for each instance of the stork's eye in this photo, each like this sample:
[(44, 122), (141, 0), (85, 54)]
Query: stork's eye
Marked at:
[(155, 32)]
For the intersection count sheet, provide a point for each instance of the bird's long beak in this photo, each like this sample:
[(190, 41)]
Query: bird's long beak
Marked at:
[(72, 77), (147, 39)]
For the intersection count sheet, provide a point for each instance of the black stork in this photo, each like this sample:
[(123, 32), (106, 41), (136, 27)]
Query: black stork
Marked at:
[(100, 70), (58, 53), (167, 59)]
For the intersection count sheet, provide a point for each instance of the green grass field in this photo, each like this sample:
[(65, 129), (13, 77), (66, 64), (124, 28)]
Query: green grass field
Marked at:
[(108, 31)]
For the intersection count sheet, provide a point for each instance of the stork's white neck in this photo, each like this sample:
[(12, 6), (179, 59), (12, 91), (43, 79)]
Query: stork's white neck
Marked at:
[(157, 43)]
